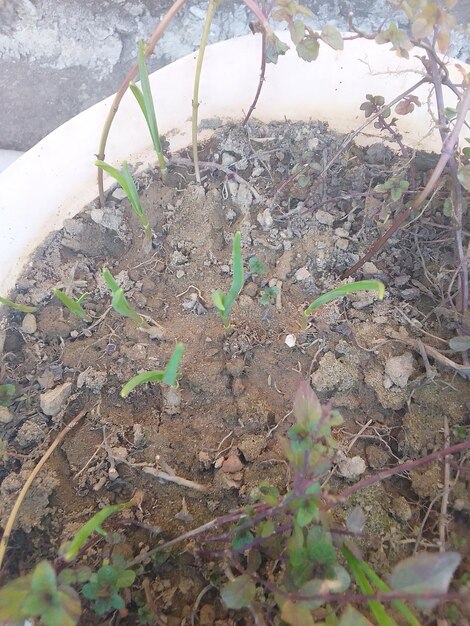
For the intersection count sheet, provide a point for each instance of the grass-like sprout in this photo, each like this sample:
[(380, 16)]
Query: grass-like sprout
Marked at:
[(124, 179), (339, 292), (224, 302), (119, 301), (74, 306), (18, 307), (145, 101), (197, 79), (168, 376)]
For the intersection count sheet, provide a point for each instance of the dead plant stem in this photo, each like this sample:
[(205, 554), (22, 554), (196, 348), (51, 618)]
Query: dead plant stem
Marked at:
[(21, 496)]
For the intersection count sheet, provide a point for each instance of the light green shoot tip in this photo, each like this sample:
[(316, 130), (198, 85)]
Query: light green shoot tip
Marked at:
[(339, 292)]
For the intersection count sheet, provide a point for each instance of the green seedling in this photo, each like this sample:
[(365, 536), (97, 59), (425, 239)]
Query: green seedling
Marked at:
[(125, 180), (224, 302), (7, 394), (339, 292), (269, 295), (70, 550), (119, 301), (18, 307), (168, 376), (104, 586), (145, 101), (74, 306), (256, 266), (395, 186)]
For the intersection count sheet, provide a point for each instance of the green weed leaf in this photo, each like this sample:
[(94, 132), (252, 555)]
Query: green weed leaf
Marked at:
[(352, 617), (296, 613), (18, 307), (7, 394), (339, 292), (460, 343), (239, 593), (463, 176), (274, 48), (308, 49), (331, 36), (74, 306), (425, 573)]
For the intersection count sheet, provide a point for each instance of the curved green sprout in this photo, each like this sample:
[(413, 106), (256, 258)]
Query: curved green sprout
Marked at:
[(119, 301), (70, 549), (339, 292), (224, 302), (18, 307), (125, 180), (74, 306), (145, 101), (168, 376)]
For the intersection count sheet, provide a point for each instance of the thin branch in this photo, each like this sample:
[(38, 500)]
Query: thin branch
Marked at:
[(261, 79), (21, 496)]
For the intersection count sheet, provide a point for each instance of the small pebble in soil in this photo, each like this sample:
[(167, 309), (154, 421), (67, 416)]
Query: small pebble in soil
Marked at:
[(138, 436), (232, 464), (204, 459), (5, 415), (350, 467), (180, 274), (398, 370), (29, 434), (342, 244), (401, 509), (171, 400), (369, 269), (324, 218), (29, 324), (290, 341), (302, 274), (53, 400)]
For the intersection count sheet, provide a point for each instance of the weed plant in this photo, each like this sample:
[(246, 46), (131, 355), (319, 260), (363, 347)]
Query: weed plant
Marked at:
[(119, 301), (74, 306), (224, 302), (168, 376)]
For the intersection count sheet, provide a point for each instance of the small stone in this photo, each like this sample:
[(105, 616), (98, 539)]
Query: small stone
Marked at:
[(302, 274), (377, 456), (350, 467), (29, 324), (341, 232), (399, 369), (232, 464), (204, 459), (219, 462), (5, 415), (324, 218), (230, 215), (52, 401), (265, 219), (29, 434), (251, 289), (113, 474), (180, 274), (401, 509), (342, 244), (139, 436), (237, 387), (369, 269), (290, 341), (251, 446), (244, 300), (225, 269), (148, 286), (207, 615), (283, 266)]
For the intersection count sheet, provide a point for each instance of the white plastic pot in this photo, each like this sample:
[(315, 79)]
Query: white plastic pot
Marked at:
[(55, 179)]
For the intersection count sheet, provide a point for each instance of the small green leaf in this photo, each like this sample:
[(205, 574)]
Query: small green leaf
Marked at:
[(18, 307), (460, 343), (308, 48), (296, 613), (256, 266), (339, 292), (7, 394), (352, 617), (425, 573), (306, 513), (72, 305), (242, 539), (125, 579), (239, 593), (463, 176), (331, 36), (297, 31), (274, 48)]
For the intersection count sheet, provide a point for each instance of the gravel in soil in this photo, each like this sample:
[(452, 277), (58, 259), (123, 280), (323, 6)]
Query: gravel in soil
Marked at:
[(222, 427)]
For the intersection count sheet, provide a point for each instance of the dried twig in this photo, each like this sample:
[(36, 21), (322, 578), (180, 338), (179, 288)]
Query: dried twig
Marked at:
[(184, 482)]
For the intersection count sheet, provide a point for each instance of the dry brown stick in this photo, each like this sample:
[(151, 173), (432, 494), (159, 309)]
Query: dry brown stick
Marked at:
[(432, 352), (446, 153), (131, 74), (21, 496), (445, 493)]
